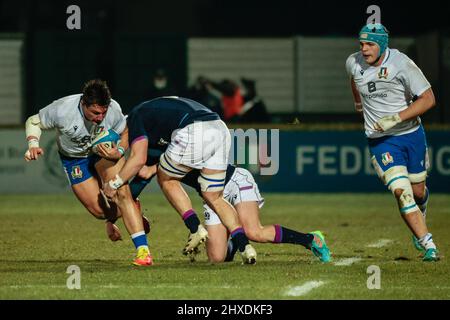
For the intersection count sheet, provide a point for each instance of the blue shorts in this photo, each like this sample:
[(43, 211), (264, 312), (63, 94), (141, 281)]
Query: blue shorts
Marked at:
[(409, 150), (79, 169)]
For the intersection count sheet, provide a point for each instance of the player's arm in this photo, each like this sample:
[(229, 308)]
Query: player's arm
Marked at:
[(424, 102), (356, 96), (33, 134), (415, 82), (116, 152), (133, 165)]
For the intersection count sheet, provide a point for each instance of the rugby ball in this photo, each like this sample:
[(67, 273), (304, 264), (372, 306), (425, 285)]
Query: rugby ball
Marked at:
[(108, 138)]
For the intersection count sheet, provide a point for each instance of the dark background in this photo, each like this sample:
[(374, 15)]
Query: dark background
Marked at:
[(124, 42), (202, 18)]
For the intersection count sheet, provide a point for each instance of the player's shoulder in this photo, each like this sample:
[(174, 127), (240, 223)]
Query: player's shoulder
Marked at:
[(61, 107), (68, 101), (353, 60), (115, 105), (354, 57), (399, 58), (401, 62)]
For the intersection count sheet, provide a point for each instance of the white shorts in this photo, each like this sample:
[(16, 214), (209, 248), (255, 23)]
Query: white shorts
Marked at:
[(241, 188), (203, 144)]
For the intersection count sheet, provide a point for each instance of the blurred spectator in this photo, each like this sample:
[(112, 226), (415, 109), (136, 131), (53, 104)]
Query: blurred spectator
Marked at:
[(231, 97), (254, 109), (161, 86), (201, 92)]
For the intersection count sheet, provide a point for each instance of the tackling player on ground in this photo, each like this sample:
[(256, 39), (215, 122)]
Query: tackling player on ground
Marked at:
[(392, 92), (242, 192), (78, 119)]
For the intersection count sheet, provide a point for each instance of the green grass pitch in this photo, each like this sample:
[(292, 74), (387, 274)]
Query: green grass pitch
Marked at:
[(40, 236)]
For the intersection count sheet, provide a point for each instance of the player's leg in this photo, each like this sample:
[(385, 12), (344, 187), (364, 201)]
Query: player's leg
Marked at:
[(212, 184), (390, 164), (216, 244), (86, 186), (214, 154), (398, 182), (418, 165), (169, 174), (248, 213), (131, 216), (243, 191), (421, 196), (88, 193)]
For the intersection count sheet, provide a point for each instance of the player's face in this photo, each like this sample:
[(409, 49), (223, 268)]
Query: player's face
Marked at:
[(95, 113), (369, 51)]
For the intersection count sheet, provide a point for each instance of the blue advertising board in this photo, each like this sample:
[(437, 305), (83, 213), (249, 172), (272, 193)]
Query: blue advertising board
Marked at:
[(339, 161)]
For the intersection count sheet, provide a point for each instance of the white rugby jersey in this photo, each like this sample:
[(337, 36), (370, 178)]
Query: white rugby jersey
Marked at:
[(387, 89), (74, 132)]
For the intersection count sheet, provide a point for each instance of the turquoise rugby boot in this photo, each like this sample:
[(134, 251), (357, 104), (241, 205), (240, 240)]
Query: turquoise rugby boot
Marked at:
[(431, 255), (319, 247)]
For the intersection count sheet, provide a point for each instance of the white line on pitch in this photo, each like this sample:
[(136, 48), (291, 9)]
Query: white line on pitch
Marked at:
[(347, 261), (303, 289), (380, 243)]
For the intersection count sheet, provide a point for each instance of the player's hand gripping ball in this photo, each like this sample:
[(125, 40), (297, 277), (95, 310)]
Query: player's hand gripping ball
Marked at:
[(108, 138)]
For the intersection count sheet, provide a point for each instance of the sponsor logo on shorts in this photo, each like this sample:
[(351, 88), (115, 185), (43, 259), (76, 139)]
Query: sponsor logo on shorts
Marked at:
[(387, 158), (77, 173)]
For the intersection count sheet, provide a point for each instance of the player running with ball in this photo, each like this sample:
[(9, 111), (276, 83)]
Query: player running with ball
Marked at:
[(78, 119), (392, 92)]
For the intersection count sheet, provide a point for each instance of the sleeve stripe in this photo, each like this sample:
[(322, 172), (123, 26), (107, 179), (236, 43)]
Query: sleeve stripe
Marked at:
[(139, 139)]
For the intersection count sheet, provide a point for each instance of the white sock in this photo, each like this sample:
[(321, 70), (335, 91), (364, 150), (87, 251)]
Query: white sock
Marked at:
[(427, 241)]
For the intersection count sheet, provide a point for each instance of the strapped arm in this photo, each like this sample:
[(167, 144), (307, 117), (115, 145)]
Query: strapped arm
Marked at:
[(33, 131)]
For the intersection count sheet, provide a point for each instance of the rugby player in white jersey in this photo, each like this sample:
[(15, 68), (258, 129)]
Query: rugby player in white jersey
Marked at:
[(78, 119), (392, 92)]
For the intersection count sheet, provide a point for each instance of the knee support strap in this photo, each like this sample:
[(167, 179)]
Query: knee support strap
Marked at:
[(212, 182), (396, 178)]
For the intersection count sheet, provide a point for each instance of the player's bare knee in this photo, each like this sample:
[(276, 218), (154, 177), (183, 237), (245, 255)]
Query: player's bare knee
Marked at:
[(216, 257), (121, 195)]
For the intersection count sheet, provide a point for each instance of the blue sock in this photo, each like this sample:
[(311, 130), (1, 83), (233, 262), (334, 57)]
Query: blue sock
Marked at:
[(239, 239), (231, 251), (139, 239), (191, 220)]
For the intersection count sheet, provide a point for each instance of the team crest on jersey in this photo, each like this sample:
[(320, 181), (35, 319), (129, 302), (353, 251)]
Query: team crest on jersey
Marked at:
[(77, 173), (387, 158), (383, 73), (99, 130)]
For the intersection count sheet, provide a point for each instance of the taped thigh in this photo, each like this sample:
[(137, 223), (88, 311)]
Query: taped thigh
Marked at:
[(172, 168), (212, 182)]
